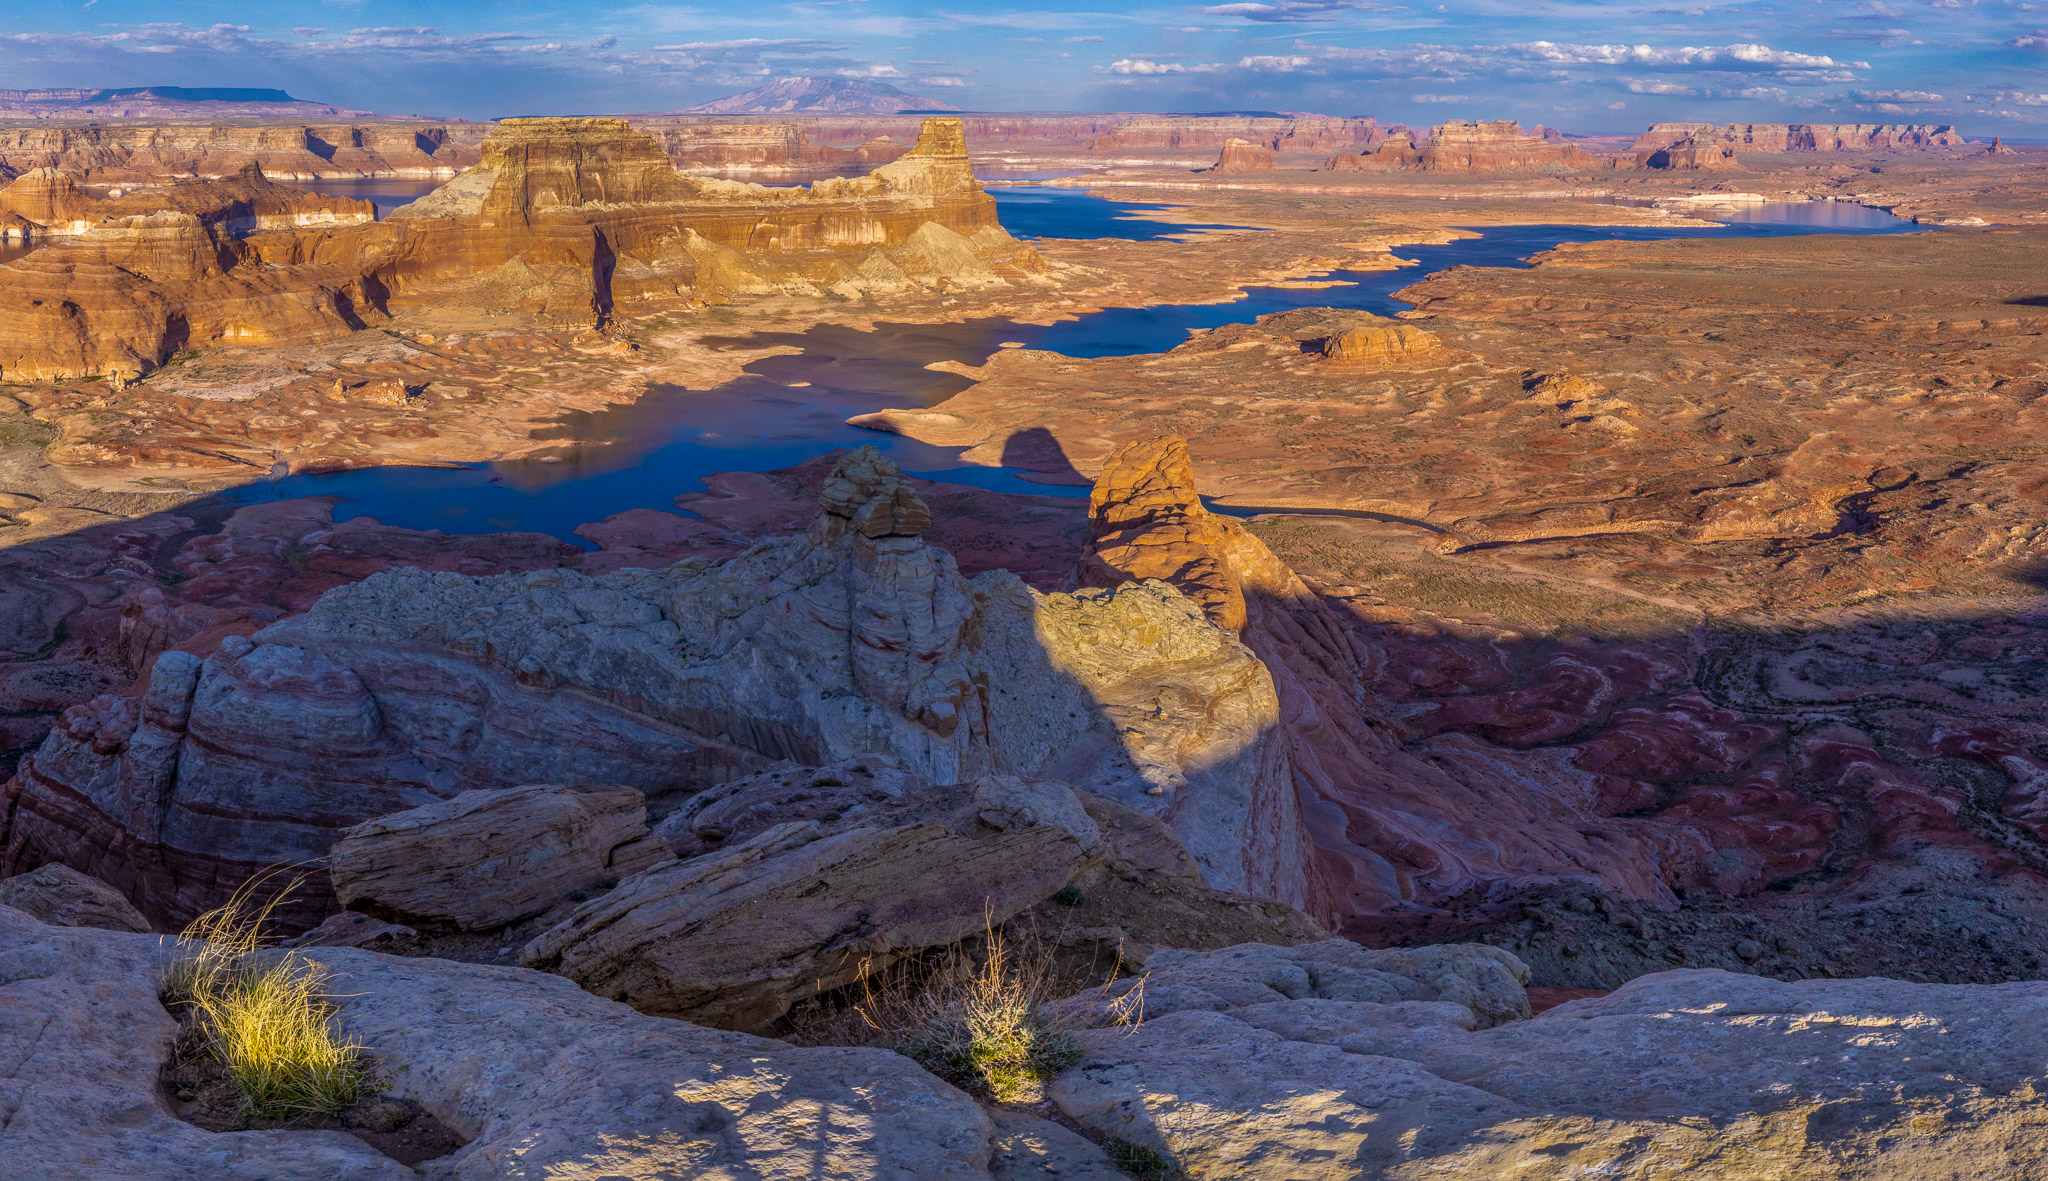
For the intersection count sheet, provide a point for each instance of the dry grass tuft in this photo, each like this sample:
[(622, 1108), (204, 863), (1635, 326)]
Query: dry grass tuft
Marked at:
[(268, 1018), (989, 1027)]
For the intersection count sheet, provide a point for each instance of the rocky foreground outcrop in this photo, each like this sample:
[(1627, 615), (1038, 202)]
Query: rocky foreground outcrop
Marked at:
[(1319, 1062), (857, 637), (537, 1077)]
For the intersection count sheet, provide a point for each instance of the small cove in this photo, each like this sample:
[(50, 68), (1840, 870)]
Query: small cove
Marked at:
[(790, 408)]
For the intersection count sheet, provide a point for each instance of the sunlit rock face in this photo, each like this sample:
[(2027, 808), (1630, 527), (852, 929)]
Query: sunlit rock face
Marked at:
[(563, 219)]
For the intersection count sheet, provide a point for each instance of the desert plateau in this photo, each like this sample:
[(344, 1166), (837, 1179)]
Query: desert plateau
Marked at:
[(919, 595)]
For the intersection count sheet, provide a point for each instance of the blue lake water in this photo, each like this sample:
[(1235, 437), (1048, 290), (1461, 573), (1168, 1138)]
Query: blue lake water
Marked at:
[(645, 454)]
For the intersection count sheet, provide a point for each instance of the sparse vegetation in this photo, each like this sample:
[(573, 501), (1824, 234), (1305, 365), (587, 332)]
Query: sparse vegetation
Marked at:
[(984, 1022), (265, 1015), (1141, 1162)]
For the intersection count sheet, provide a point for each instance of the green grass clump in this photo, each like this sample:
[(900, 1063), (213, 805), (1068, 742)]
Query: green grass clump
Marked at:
[(995, 1038), (985, 1023), (267, 1017)]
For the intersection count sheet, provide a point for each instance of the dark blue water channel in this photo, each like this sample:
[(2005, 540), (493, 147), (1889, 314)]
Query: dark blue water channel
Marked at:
[(791, 408)]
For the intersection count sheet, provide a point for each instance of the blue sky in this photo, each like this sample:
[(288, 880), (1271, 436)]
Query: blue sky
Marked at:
[(1981, 64)]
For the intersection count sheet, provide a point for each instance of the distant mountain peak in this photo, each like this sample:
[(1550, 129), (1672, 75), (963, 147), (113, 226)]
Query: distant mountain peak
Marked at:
[(838, 96)]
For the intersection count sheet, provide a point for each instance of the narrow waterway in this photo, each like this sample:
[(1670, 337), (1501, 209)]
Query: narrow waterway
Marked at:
[(787, 409)]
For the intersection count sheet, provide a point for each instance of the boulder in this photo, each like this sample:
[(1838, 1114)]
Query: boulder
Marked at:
[(735, 938), (1145, 892), (537, 1077), (1686, 1073), (492, 856), (1485, 981), (62, 896)]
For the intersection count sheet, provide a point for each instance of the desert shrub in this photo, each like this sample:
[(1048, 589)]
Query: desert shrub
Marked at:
[(987, 1024), (1140, 1162), (266, 1016)]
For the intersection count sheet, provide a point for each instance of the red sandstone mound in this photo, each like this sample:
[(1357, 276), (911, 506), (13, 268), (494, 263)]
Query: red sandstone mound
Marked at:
[(1241, 156)]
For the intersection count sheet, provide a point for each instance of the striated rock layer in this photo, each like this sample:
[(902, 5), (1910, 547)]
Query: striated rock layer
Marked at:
[(1802, 137), (563, 218), (150, 153)]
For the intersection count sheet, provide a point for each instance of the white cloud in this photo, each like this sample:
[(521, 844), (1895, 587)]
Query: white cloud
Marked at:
[(942, 80), (1639, 86), (1279, 65), (1723, 56), (1439, 98), (1895, 96), (1141, 65)]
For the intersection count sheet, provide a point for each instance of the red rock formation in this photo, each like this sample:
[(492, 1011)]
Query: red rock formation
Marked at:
[(1691, 154), (1998, 148), (1803, 137), (561, 218), (1241, 156), (150, 153), (1465, 146), (1409, 745)]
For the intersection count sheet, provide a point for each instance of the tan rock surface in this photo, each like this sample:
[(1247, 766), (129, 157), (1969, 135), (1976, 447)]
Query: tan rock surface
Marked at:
[(64, 897), (1677, 1073), (489, 857), (539, 1078)]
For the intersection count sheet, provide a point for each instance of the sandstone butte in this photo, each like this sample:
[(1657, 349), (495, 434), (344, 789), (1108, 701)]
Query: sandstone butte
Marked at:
[(563, 218), (1243, 156)]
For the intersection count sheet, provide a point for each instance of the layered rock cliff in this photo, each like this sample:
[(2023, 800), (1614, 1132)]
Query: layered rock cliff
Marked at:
[(562, 218), (1803, 137), (1463, 146), (1168, 133), (149, 153)]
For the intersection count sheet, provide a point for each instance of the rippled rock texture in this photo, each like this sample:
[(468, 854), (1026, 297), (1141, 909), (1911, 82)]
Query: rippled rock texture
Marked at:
[(856, 637)]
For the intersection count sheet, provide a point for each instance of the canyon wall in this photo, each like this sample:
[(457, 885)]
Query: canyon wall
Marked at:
[(1463, 146), (1170, 133), (1803, 137), (150, 153)]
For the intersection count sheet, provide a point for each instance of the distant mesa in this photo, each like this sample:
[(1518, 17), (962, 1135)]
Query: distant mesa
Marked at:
[(1802, 137), (163, 102), (835, 96)]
